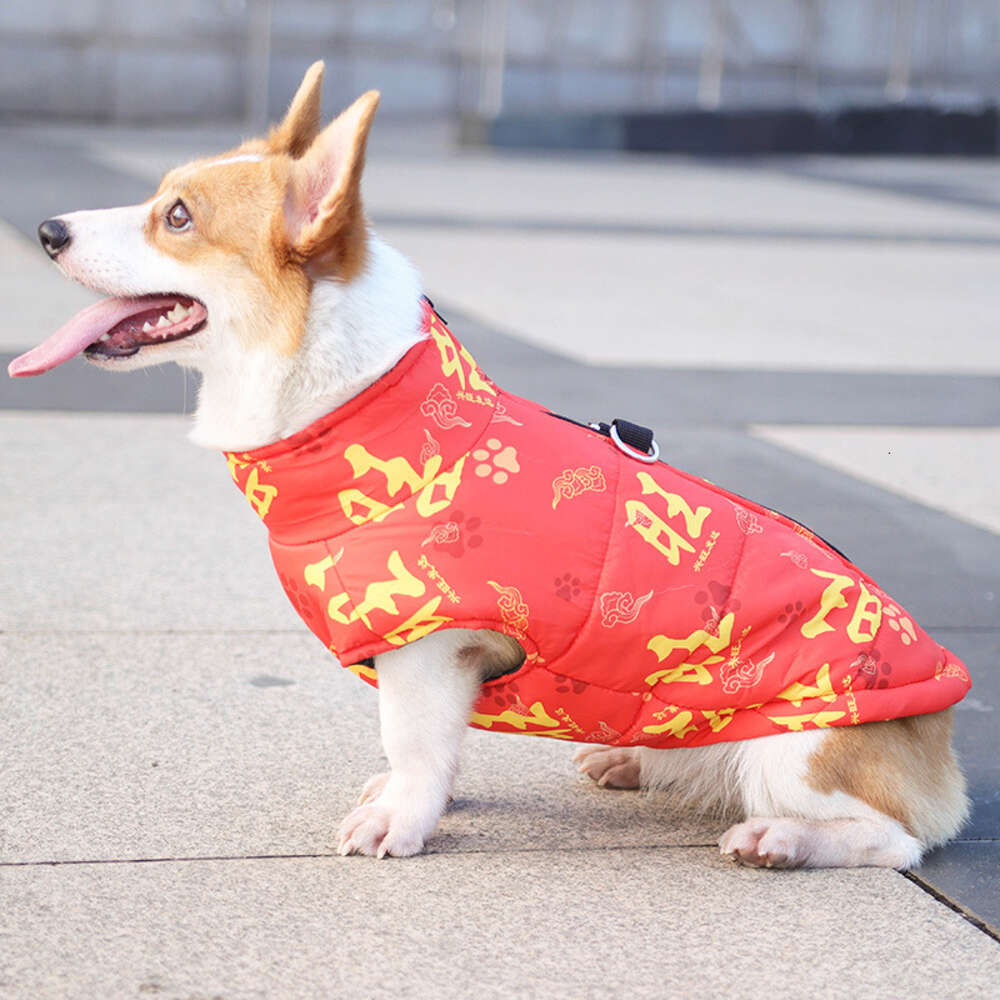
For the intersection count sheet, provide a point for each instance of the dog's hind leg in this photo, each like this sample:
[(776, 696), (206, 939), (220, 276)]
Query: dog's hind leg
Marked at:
[(875, 794), (791, 842)]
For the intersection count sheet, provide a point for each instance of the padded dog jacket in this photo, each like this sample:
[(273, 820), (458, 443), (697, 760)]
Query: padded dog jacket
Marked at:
[(654, 608)]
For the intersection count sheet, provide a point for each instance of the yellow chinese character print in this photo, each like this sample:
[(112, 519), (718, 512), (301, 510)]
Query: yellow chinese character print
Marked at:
[(452, 358), (867, 615), (537, 716), (718, 720), (435, 490), (363, 671), (440, 491), (694, 520), (831, 599), (315, 573), (797, 723), (678, 725), (234, 462), (261, 495), (692, 672), (422, 622), (797, 692), (654, 530), (379, 595)]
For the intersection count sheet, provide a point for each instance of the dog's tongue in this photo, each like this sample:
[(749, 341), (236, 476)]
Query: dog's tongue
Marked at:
[(80, 332)]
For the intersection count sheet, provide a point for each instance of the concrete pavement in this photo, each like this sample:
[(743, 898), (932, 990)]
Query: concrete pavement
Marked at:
[(178, 750)]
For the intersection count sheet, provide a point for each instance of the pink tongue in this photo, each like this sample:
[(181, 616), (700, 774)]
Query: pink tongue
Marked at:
[(81, 331)]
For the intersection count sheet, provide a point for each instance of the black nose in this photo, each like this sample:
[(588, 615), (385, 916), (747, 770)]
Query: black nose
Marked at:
[(54, 236)]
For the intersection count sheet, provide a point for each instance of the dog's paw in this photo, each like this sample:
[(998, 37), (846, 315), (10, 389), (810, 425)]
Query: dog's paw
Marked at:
[(377, 830), (610, 767), (373, 787), (765, 843)]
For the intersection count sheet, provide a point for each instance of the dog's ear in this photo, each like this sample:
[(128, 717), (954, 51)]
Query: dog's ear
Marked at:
[(300, 125), (323, 215)]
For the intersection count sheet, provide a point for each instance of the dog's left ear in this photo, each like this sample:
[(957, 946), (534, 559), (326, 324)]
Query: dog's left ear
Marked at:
[(300, 126), (323, 213)]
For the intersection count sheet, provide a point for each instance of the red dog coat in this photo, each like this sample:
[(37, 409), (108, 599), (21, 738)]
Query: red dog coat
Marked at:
[(653, 607)]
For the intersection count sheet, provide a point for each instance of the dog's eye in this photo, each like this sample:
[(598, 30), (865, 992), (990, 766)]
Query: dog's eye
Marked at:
[(178, 217)]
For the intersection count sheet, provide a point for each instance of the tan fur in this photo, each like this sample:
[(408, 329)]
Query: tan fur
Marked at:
[(246, 248), (329, 231), (299, 213), (904, 768), (300, 125)]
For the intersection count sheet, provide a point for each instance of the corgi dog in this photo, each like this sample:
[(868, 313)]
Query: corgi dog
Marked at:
[(258, 268)]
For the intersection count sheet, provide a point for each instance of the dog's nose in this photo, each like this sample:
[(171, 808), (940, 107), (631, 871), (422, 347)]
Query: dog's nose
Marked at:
[(54, 236)]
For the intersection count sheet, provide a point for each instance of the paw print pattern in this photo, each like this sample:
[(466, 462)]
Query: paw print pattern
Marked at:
[(300, 601), (715, 599), (871, 670), (508, 697), (899, 623), (455, 535), (496, 461), (566, 684), (567, 586), (790, 613)]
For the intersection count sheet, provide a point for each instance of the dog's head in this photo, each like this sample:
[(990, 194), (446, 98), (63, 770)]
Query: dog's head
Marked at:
[(223, 256)]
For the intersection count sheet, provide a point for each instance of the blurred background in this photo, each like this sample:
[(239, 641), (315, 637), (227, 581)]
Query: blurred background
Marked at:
[(197, 60)]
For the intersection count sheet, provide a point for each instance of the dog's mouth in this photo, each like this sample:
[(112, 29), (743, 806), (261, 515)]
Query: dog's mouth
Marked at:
[(116, 328)]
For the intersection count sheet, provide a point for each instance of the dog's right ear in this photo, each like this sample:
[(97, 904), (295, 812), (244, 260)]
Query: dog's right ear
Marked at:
[(300, 125)]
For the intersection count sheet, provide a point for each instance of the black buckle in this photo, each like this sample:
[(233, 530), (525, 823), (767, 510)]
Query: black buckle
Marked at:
[(631, 439)]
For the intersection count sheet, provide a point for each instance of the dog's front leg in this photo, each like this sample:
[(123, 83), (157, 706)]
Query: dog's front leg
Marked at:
[(426, 692)]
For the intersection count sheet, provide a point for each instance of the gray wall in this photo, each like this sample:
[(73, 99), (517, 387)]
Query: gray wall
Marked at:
[(203, 59)]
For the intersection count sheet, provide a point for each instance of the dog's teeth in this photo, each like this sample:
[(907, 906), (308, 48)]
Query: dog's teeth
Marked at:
[(177, 313), (163, 321), (147, 326), (105, 336)]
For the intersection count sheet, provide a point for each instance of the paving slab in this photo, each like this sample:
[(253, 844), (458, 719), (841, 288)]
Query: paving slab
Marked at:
[(967, 870), (721, 303), (122, 746), (667, 395), (582, 924), (976, 719), (77, 386), (941, 467), (120, 523)]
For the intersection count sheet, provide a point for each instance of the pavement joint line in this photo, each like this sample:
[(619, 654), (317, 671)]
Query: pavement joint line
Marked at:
[(968, 915), (333, 855)]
